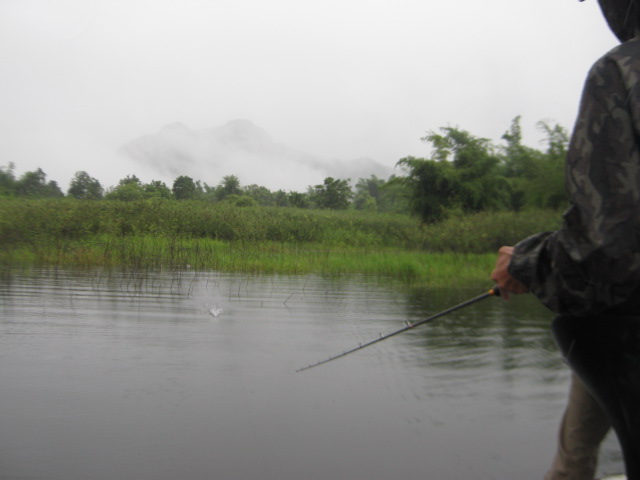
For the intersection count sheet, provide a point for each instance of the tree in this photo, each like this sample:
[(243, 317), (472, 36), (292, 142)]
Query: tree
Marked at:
[(85, 187), (281, 198), (34, 184), (230, 185), (332, 194), (432, 185), (368, 193), (536, 177), (518, 159), (519, 165), (53, 190), (129, 189), (546, 188), (130, 180), (374, 193), (463, 172), (7, 180), (363, 200), (395, 196), (209, 193), (126, 192), (262, 195), (157, 189), (298, 200), (184, 188), (475, 161)]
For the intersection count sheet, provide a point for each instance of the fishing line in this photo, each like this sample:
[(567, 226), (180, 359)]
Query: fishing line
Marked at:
[(494, 292)]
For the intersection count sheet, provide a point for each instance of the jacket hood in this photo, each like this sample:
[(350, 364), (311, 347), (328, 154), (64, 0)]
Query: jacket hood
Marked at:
[(623, 17)]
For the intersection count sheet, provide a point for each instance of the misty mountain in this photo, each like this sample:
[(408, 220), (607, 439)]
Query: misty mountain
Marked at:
[(243, 149)]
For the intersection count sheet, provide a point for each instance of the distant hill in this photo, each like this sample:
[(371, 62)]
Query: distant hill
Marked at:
[(243, 149)]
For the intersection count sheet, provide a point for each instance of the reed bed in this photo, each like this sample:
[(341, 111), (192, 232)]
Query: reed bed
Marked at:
[(164, 234)]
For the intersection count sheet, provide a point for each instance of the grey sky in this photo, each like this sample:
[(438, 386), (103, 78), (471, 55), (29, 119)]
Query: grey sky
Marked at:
[(340, 79)]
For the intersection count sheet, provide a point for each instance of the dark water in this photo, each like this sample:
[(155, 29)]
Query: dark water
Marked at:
[(191, 375)]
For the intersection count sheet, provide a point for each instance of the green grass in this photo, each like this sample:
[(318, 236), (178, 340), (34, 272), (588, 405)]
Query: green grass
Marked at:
[(165, 234), (142, 253)]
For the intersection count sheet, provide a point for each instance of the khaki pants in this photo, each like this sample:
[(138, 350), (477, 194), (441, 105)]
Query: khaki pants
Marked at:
[(584, 426)]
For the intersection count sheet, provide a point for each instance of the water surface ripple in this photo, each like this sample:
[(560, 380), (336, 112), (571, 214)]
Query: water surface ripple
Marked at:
[(191, 375)]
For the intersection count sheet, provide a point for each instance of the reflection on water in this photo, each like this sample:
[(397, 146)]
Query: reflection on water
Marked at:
[(192, 375)]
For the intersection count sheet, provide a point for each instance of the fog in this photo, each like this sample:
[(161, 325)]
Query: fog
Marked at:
[(334, 88)]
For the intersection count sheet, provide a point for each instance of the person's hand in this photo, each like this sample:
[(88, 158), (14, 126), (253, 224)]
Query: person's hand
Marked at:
[(500, 275)]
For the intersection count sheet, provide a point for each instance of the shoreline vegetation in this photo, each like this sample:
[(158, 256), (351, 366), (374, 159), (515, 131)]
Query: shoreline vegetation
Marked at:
[(440, 223), (162, 234)]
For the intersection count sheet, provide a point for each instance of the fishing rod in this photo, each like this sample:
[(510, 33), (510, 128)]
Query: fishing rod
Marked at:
[(494, 292)]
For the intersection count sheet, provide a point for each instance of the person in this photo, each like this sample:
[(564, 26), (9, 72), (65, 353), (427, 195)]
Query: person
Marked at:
[(591, 264)]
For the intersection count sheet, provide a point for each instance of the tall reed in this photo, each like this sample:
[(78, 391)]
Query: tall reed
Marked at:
[(171, 234)]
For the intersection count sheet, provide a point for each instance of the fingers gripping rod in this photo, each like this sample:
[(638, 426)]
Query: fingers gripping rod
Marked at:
[(494, 292)]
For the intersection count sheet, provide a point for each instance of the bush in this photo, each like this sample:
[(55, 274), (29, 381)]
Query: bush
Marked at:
[(30, 221)]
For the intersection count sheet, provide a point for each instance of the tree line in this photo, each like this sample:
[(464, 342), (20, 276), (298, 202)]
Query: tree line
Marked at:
[(463, 173)]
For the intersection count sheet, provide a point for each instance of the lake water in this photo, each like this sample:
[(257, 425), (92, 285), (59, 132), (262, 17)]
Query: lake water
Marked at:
[(192, 375)]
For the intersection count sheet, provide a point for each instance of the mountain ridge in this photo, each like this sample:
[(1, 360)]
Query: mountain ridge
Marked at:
[(241, 148)]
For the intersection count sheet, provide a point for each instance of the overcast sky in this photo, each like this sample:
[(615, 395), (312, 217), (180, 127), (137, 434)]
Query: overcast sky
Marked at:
[(340, 79)]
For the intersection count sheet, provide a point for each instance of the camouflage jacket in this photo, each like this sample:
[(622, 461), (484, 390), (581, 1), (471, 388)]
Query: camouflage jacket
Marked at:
[(592, 263)]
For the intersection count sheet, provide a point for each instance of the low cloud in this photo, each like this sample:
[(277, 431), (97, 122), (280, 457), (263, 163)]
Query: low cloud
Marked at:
[(243, 149)]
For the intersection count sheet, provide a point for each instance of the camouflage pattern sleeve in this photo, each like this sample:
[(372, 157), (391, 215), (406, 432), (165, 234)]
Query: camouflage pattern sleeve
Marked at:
[(592, 263)]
